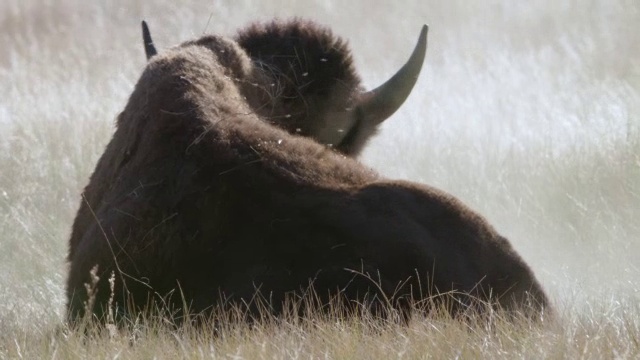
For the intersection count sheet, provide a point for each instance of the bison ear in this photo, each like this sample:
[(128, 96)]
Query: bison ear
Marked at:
[(149, 48), (380, 103)]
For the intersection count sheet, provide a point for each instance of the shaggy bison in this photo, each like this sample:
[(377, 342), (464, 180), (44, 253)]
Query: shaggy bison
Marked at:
[(205, 195)]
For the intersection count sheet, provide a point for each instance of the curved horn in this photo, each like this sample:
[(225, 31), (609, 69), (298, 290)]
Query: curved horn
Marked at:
[(381, 102), (149, 48)]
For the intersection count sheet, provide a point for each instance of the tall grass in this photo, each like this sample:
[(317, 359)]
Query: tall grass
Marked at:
[(529, 112), (606, 332)]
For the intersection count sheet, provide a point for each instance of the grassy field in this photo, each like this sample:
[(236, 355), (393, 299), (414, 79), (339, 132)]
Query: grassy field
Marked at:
[(529, 112)]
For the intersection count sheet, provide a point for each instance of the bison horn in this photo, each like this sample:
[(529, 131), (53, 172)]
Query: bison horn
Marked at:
[(149, 48), (381, 102)]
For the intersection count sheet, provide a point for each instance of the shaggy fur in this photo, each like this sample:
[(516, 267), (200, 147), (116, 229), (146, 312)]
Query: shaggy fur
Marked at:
[(197, 195), (310, 84), (310, 74)]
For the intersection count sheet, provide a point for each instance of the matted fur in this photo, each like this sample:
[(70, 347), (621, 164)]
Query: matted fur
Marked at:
[(199, 196)]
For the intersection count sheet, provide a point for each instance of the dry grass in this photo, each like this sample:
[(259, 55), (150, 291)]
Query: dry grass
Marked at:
[(609, 332), (528, 112)]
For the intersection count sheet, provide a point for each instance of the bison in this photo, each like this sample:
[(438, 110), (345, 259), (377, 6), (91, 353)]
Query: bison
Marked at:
[(205, 196)]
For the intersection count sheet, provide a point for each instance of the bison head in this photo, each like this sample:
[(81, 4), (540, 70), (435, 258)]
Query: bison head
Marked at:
[(304, 81)]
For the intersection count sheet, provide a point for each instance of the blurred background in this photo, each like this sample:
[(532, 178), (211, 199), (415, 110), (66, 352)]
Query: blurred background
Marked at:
[(530, 113)]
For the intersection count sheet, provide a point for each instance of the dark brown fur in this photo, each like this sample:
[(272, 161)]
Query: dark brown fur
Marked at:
[(310, 73), (197, 195), (310, 83)]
